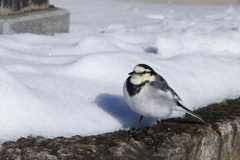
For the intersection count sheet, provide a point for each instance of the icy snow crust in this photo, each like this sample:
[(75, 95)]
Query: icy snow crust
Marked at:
[(71, 83)]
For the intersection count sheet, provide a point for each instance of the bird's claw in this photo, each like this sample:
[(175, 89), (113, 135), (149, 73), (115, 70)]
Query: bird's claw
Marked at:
[(129, 137), (154, 144)]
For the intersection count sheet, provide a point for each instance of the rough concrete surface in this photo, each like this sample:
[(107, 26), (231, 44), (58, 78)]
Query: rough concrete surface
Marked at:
[(178, 139), (48, 21)]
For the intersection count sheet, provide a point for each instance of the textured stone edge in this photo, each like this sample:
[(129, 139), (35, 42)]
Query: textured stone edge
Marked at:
[(179, 139)]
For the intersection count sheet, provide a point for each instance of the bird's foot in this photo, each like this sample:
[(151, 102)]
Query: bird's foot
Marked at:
[(154, 144), (130, 135)]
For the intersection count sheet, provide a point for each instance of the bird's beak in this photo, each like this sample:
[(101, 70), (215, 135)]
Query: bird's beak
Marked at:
[(132, 73)]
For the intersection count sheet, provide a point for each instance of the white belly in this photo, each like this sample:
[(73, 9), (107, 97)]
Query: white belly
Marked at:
[(151, 102)]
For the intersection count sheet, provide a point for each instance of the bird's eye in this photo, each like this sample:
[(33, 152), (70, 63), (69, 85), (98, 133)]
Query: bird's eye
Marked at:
[(144, 72)]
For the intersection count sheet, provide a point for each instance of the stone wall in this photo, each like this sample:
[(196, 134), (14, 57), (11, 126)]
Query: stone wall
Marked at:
[(179, 139)]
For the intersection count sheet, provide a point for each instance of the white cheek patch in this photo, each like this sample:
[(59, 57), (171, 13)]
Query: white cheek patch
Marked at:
[(135, 79)]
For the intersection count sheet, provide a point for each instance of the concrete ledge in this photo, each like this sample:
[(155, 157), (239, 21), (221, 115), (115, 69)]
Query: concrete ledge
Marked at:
[(178, 139), (48, 21)]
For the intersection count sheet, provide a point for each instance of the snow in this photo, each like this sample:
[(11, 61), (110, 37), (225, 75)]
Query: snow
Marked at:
[(71, 83)]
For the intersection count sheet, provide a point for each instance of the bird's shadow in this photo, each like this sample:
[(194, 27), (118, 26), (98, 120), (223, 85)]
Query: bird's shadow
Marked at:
[(116, 106)]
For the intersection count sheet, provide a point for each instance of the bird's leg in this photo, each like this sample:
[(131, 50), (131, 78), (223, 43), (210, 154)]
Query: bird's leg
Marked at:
[(156, 140), (141, 117), (158, 124), (131, 135)]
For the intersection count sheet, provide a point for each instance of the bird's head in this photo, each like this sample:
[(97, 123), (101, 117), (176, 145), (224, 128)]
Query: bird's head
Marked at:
[(142, 73)]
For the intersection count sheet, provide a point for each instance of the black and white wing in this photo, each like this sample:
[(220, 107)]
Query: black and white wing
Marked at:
[(162, 84)]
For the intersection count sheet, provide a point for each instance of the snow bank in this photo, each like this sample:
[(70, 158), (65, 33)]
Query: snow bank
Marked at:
[(71, 84)]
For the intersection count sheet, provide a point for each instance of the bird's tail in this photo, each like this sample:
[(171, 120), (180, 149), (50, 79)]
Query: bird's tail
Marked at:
[(190, 112)]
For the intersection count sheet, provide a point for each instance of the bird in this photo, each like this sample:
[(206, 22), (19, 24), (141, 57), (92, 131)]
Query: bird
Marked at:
[(148, 94)]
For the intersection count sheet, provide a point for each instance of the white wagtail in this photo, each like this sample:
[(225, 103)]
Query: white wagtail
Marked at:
[(148, 94)]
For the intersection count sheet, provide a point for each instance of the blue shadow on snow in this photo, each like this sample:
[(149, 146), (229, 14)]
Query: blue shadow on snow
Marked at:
[(116, 106)]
